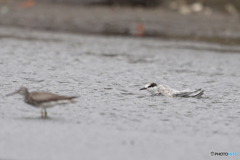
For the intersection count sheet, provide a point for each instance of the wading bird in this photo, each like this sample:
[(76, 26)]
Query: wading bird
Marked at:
[(43, 100)]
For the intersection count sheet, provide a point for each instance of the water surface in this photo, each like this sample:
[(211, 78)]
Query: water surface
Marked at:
[(112, 119)]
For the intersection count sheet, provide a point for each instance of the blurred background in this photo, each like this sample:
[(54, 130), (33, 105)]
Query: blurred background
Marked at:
[(104, 51), (204, 20), (217, 4)]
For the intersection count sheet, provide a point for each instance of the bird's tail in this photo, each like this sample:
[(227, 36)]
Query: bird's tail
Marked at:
[(186, 93), (71, 99)]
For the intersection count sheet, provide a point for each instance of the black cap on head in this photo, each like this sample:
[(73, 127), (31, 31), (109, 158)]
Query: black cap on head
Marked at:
[(152, 85)]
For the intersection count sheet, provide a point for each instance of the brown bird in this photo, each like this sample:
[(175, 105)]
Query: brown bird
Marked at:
[(43, 100)]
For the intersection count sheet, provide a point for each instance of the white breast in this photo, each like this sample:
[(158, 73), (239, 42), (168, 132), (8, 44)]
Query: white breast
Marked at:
[(54, 103)]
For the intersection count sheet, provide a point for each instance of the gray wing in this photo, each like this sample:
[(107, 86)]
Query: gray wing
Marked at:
[(45, 96), (167, 91), (195, 93)]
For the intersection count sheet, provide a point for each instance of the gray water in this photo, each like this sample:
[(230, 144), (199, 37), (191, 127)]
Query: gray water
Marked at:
[(112, 119)]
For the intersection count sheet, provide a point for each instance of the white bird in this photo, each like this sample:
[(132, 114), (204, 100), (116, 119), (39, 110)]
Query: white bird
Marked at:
[(167, 91)]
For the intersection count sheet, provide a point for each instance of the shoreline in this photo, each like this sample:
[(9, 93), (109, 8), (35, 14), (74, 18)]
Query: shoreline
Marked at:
[(125, 21)]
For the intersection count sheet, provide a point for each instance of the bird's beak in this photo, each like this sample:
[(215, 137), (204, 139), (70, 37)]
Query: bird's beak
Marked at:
[(143, 88), (10, 94)]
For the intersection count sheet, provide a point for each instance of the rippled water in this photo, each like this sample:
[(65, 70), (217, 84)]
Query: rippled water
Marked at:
[(112, 118)]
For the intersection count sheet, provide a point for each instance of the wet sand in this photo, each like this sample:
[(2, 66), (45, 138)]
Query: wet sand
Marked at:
[(112, 119)]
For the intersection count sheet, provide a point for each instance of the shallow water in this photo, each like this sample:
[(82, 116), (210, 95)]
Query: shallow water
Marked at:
[(112, 119)]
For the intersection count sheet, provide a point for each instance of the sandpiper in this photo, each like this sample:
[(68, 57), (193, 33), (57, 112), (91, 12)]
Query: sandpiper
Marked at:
[(165, 90), (43, 100)]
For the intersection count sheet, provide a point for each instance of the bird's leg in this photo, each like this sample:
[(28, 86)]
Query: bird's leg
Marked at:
[(45, 112), (42, 113)]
